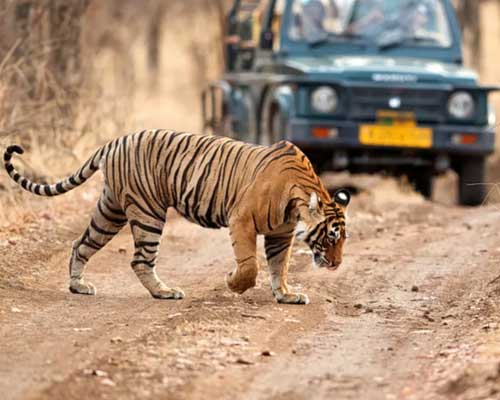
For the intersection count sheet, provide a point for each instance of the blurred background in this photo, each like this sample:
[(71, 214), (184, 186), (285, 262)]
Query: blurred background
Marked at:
[(75, 73)]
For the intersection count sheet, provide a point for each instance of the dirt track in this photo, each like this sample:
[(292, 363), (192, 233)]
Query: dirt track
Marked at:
[(411, 314)]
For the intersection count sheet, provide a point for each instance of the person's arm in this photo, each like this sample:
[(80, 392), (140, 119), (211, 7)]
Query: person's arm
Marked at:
[(359, 25)]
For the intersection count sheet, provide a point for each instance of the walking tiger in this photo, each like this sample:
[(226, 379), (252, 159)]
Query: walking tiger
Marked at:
[(214, 182)]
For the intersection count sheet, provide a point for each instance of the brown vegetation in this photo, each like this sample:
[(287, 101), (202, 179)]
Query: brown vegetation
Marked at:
[(74, 73)]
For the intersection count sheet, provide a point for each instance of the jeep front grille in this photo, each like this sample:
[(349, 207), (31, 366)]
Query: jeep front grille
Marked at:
[(427, 105)]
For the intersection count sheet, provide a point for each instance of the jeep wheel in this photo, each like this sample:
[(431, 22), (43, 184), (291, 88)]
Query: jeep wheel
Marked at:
[(471, 174), (226, 127), (423, 183), (274, 131)]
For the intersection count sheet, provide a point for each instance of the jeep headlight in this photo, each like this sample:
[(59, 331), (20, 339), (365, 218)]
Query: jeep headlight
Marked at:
[(461, 105), (324, 99)]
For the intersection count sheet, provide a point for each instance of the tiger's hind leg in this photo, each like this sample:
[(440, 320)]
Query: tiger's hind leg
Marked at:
[(147, 235), (108, 219), (278, 249)]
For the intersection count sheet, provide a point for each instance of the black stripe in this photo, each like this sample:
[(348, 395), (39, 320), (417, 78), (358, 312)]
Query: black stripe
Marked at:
[(145, 243), (60, 188), (196, 190), (15, 149), (271, 253), (92, 244), (289, 208), (147, 228), (149, 181), (81, 257), (269, 225), (100, 230), (153, 211), (147, 263), (313, 232), (82, 170), (130, 201), (155, 250), (234, 169), (139, 253), (255, 223), (112, 153), (116, 221)]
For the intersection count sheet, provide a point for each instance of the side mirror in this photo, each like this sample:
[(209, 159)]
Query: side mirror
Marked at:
[(266, 40)]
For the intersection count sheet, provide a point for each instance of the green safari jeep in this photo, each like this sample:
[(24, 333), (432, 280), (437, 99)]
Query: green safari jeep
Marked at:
[(359, 85)]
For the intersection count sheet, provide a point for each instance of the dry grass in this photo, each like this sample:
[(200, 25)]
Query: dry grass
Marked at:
[(60, 124), (53, 147), (58, 121)]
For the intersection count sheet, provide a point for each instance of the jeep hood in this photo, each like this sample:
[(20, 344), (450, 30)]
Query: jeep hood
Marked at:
[(378, 68)]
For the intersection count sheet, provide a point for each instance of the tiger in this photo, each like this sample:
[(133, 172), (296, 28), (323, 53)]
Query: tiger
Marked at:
[(212, 181)]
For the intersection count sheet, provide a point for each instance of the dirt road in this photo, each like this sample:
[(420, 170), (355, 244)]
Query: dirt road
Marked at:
[(411, 314)]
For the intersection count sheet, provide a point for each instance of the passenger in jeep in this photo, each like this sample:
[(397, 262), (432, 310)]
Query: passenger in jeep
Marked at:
[(366, 18), (313, 18)]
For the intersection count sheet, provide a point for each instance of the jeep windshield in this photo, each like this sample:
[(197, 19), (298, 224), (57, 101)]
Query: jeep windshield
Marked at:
[(384, 23)]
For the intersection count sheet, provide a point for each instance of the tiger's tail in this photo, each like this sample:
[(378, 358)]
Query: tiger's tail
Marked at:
[(56, 189)]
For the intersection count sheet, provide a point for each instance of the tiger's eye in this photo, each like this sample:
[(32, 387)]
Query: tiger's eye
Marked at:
[(331, 237)]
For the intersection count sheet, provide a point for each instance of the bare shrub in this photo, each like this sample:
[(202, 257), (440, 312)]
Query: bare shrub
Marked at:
[(53, 101), (76, 73)]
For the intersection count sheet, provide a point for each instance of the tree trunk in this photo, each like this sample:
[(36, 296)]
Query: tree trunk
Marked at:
[(65, 31), (469, 15), (154, 34), (23, 12)]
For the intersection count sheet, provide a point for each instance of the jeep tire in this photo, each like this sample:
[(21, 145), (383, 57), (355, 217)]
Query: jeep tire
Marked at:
[(273, 131), (471, 177)]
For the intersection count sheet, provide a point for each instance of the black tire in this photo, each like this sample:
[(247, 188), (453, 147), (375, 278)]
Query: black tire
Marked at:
[(225, 127), (471, 179), (275, 128), (423, 183)]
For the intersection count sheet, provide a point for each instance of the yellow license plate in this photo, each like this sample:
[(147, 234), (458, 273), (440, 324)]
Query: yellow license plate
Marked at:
[(395, 135)]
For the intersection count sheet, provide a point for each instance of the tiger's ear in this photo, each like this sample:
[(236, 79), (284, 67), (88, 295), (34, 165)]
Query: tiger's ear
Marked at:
[(314, 204), (342, 197)]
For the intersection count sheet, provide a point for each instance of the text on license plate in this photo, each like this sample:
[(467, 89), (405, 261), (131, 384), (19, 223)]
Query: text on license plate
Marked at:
[(395, 135)]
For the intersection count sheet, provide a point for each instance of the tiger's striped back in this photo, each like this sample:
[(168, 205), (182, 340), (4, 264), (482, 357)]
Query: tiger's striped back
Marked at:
[(203, 177)]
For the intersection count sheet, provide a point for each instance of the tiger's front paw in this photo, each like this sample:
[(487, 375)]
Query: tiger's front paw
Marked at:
[(293, 298), (81, 287), (240, 283), (169, 294)]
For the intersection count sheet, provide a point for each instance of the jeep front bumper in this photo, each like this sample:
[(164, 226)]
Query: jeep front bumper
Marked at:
[(345, 135)]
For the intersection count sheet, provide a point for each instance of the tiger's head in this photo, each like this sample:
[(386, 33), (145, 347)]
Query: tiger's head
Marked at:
[(323, 228)]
